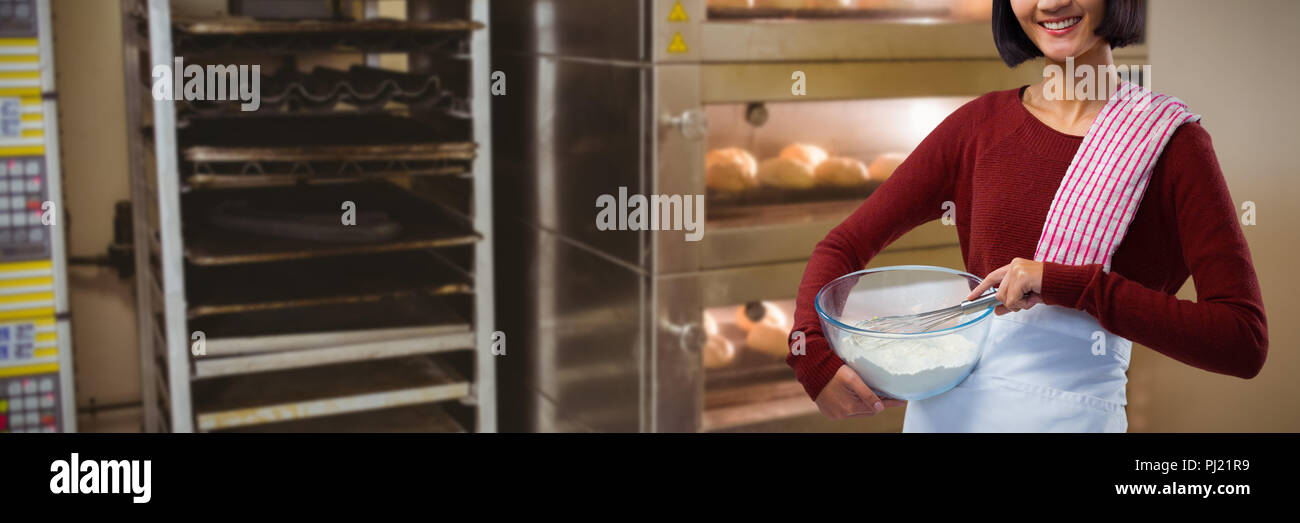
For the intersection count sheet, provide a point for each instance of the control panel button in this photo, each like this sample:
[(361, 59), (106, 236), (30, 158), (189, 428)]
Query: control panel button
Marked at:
[(31, 403), (29, 386), (47, 384)]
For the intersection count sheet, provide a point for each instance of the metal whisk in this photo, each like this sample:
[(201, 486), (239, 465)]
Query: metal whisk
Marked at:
[(925, 321)]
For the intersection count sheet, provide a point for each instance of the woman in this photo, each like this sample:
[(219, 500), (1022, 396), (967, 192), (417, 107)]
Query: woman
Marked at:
[(1087, 231)]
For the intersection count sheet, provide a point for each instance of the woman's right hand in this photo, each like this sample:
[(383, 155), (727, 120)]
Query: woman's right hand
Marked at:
[(846, 396)]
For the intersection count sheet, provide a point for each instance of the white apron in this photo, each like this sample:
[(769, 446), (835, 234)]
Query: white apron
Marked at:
[(1047, 369), (1051, 368)]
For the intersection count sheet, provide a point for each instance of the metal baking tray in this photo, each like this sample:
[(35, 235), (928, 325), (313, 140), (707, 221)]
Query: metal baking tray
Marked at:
[(427, 418), (731, 408), (314, 336), (254, 399), (723, 202), (368, 88), (229, 289), (760, 13), (337, 137), (287, 329), (280, 174), (206, 35), (423, 224)]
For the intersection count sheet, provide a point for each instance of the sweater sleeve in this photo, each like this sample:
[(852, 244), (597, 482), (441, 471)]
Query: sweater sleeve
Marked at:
[(913, 195), (1224, 330)]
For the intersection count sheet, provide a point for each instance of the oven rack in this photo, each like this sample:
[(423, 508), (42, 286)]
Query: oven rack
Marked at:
[(277, 150), (337, 332), (257, 173), (205, 36), (230, 402), (769, 13), (368, 88), (210, 240), (229, 289), (329, 334)]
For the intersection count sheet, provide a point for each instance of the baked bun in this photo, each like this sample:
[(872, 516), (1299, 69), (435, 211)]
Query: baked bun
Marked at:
[(884, 165), (809, 154), (731, 3), (785, 173), (710, 326), (779, 4), (761, 312), (719, 352), (768, 339), (730, 169), (841, 172), (833, 4)]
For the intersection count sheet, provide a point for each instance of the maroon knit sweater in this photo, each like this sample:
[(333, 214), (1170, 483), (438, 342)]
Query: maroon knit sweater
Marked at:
[(1001, 166)]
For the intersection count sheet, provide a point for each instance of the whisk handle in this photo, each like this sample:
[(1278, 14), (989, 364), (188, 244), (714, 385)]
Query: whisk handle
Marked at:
[(988, 300)]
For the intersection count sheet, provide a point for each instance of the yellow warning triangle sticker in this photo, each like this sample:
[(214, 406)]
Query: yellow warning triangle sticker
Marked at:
[(678, 14), (678, 45)]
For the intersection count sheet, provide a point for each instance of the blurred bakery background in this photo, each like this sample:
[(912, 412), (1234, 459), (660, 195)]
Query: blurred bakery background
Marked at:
[(479, 135)]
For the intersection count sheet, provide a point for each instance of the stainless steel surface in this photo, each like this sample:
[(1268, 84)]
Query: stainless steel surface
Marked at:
[(573, 135), (485, 382), (167, 191), (574, 330)]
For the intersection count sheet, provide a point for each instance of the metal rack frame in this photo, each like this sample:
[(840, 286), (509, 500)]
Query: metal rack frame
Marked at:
[(167, 368)]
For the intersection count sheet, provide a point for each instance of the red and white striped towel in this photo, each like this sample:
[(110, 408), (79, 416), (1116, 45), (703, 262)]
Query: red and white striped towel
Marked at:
[(1101, 190)]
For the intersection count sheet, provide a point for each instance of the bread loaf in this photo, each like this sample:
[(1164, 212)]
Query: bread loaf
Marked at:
[(730, 169), (841, 172), (884, 165), (809, 154), (761, 312), (785, 173)]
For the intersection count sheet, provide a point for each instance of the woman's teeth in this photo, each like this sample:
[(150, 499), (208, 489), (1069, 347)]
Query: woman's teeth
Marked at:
[(1062, 24)]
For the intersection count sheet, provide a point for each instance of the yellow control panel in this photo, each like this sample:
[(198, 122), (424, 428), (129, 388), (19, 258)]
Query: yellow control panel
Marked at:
[(35, 364)]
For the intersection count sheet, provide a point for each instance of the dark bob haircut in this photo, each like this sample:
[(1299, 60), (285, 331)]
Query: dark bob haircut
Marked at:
[(1124, 24)]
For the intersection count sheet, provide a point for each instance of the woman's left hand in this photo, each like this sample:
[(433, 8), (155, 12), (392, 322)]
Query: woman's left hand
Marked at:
[(1019, 283)]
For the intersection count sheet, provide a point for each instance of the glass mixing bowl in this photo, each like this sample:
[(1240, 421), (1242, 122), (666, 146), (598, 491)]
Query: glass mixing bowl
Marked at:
[(907, 366)]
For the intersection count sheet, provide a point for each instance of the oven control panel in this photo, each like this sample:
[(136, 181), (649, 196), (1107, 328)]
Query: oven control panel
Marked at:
[(30, 404), (35, 356), (24, 235)]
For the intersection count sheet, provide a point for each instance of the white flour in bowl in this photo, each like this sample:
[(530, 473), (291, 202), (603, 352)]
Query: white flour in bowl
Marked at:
[(909, 368)]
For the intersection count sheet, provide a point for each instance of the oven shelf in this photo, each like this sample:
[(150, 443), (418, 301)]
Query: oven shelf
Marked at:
[(210, 241), (334, 137), (731, 408), (228, 289), (427, 418), (281, 174), (288, 395), (294, 338), (775, 13), (368, 88), (235, 34)]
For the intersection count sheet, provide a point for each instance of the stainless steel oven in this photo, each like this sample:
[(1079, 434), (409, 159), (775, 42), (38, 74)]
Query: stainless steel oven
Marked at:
[(607, 329)]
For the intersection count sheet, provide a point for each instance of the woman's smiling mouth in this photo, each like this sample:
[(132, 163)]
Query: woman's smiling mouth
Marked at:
[(1060, 26)]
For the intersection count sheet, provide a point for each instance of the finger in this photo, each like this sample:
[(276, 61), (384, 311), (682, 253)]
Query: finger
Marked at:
[(1013, 290), (870, 402), (1000, 310), (989, 281)]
